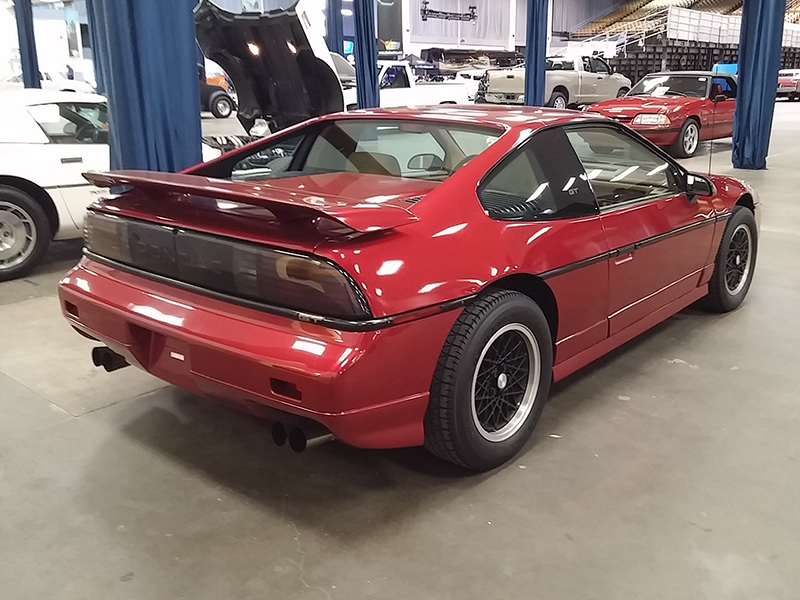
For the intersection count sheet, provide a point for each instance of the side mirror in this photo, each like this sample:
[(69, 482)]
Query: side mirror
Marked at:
[(697, 185), (720, 98), (425, 162), (259, 129)]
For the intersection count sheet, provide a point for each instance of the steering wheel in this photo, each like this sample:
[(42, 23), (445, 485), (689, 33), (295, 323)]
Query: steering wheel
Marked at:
[(462, 162), (86, 133)]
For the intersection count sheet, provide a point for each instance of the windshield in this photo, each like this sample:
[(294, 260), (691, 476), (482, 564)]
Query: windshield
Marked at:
[(695, 86), (398, 148)]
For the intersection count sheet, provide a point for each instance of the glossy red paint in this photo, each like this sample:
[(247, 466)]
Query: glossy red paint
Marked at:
[(716, 120), (370, 388)]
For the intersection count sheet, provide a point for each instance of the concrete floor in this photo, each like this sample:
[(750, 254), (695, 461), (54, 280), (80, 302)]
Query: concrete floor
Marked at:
[(667, 470)]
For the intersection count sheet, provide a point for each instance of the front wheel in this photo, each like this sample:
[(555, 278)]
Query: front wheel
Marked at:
[(24, 233), (735, 262), (688, 140), (491, 382), (622, 91)]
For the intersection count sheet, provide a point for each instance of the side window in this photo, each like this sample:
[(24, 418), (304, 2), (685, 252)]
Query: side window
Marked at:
[(395, 77), (541, 180), (620, 168), (723, 86), (265, 163), (599, 66), (72, 123)]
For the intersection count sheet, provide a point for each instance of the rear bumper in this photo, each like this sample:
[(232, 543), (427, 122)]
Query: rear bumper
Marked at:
[(370, 389), (502, 98)]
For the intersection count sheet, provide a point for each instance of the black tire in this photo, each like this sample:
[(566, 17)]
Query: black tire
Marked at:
[(558, 100), (794, 98), (679, 148), (25, 233), (454, 429), (733, 271), (220, 105), (622, 91)]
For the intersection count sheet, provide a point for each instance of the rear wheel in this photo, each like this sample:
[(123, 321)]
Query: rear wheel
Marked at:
[(735, 262), (557, 100), (220, 105), (688, 140), (491, 382), (25, 233)]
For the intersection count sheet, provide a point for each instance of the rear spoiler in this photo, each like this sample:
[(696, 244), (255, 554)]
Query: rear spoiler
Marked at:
[(284, 204)]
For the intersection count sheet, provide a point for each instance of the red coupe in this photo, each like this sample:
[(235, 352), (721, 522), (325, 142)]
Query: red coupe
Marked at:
[(410, 276), (676, 110)]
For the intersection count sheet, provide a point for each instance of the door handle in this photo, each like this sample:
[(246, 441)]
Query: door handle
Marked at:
[(624, 254), (71, 159)]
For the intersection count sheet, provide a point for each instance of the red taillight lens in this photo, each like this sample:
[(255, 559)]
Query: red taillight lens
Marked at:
[(243, 270)]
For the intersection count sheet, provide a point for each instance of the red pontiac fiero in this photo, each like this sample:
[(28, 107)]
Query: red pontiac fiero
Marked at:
[(410, 276)]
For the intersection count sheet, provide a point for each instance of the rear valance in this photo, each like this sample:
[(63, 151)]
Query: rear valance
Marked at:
[(286, 205)]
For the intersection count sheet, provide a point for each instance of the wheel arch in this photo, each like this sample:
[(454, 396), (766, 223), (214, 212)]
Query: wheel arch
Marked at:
[(747, 201), (563, 90), (39, 195), (537, 290)]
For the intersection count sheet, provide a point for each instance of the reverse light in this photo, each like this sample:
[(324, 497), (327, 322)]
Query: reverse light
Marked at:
[(650, 119), (243, 270)]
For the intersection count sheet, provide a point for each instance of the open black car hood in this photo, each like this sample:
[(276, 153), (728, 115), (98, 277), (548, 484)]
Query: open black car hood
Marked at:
[(280, 67)]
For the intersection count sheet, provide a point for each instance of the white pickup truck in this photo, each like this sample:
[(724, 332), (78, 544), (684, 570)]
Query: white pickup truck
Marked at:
[(399, 87), (571, 81)]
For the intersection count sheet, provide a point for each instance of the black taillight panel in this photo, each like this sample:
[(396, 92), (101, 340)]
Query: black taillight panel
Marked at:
[(249, 271)]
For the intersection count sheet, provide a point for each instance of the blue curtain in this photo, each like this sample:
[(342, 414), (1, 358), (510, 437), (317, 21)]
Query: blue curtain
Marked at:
[(147, 53), (759, 61), (94, 36), (366, 54), (335, 38), (535, 52), (27, 43)]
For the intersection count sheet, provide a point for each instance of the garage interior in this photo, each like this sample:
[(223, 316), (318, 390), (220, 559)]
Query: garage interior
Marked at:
[(667, 469)]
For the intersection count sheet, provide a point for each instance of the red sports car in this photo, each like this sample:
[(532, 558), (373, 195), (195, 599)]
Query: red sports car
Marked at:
[(676, 110), (410, 276)]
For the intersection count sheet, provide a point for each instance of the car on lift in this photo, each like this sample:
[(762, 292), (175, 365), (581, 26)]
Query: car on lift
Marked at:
[(47, 140), (406, 276), (676, 110)]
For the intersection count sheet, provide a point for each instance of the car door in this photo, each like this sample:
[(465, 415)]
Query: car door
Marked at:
[(659, 239), (723, 110), (78, 142), (606, 82), (552, 229)]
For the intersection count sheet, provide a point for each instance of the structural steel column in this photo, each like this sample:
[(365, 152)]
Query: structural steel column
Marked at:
[(759, 60), (536, 52), (335, 37), (366, 54), (27, 43)]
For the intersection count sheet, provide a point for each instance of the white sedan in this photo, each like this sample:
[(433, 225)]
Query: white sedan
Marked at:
[(47, 140), (51, 81)]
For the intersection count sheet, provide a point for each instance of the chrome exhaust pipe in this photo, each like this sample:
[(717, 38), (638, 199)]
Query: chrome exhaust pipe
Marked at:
[(299, 442), (278, 433), (108, 359)]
